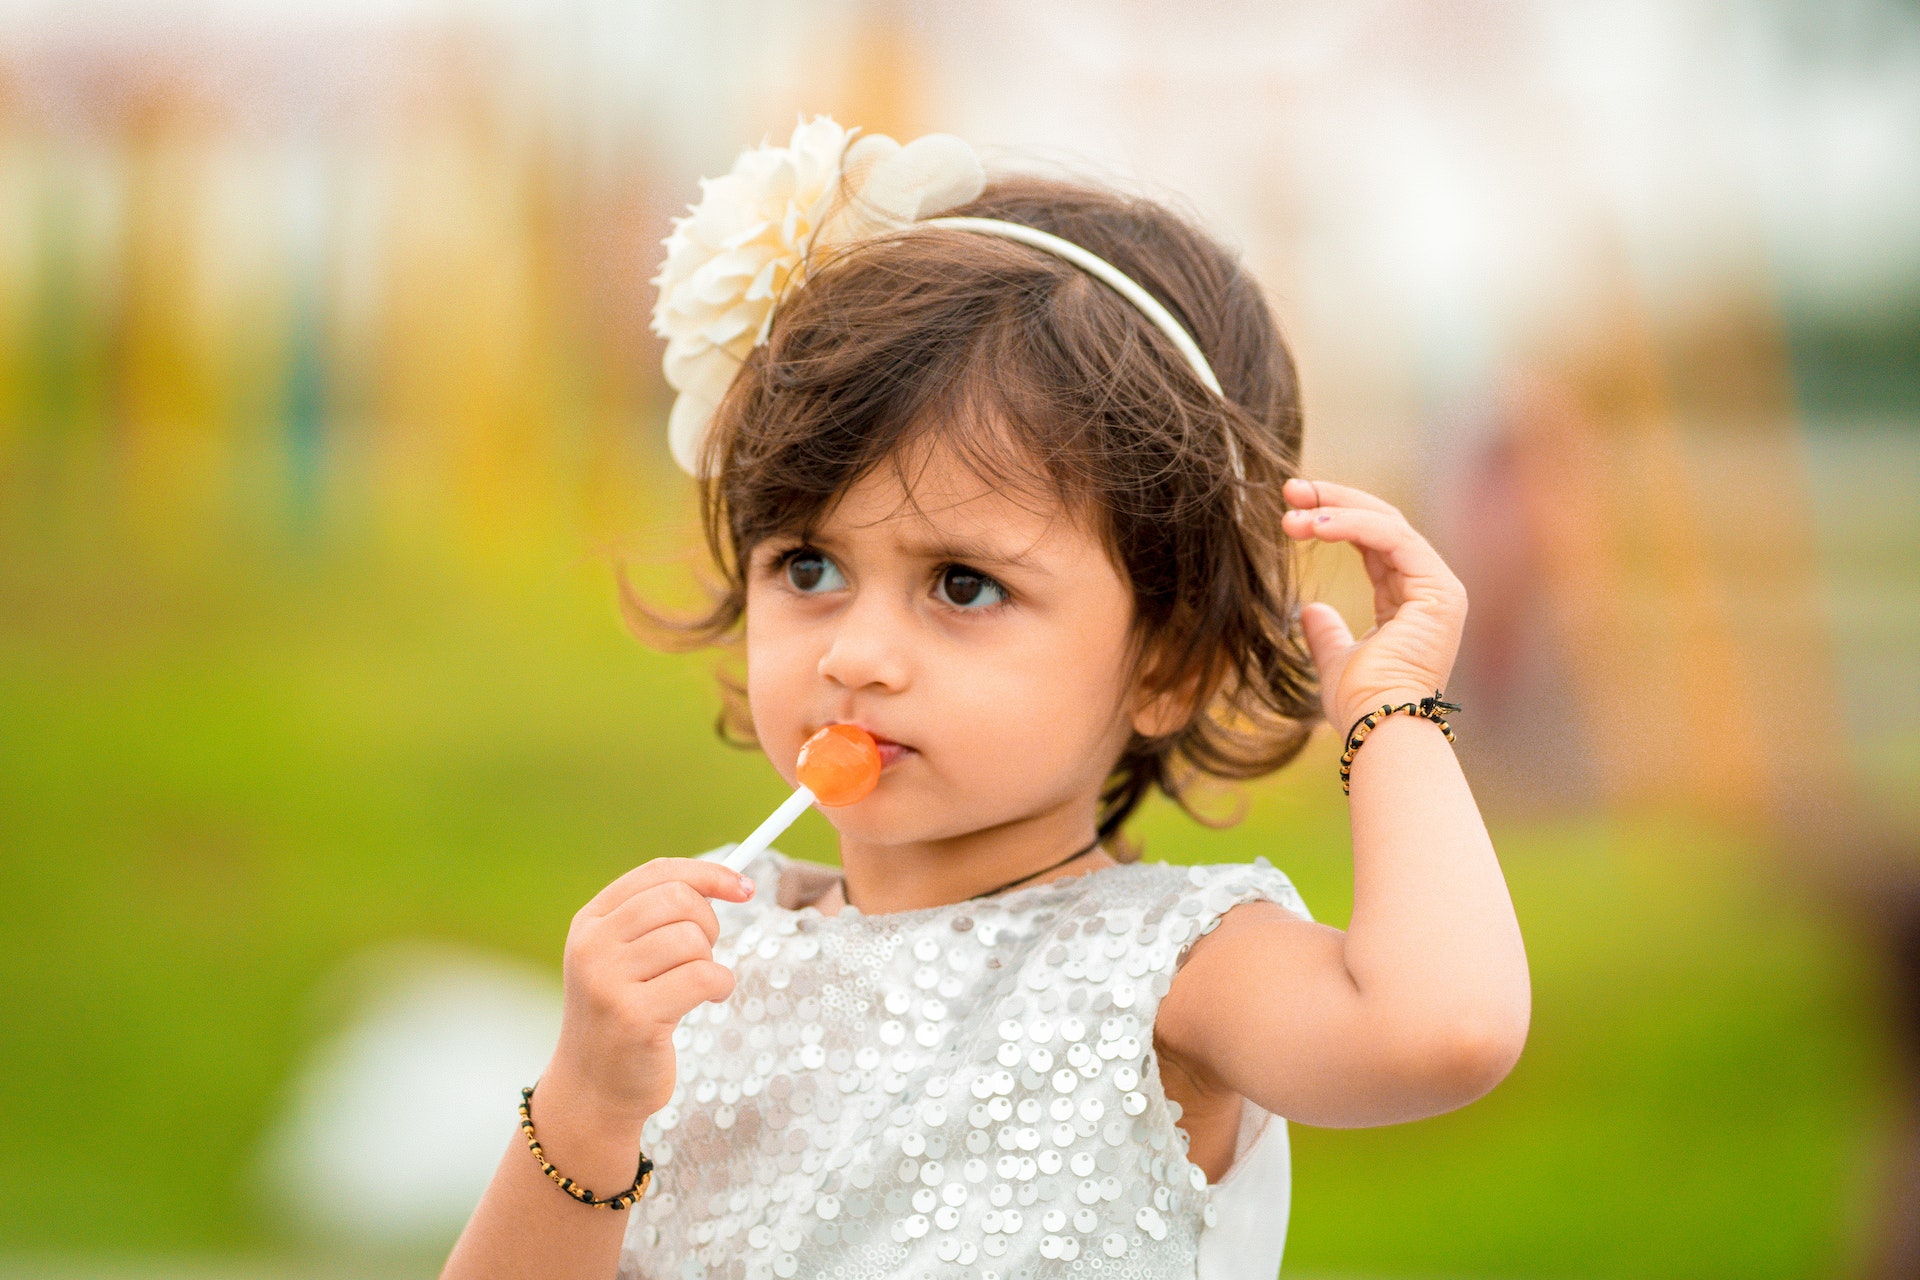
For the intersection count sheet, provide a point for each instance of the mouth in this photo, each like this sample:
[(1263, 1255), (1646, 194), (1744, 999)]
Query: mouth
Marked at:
[(891, 752)]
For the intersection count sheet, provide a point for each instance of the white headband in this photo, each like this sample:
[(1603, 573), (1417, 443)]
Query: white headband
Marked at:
[(738, 251)]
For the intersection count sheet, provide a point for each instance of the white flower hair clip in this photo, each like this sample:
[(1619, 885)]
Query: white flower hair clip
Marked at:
[(749, 240)]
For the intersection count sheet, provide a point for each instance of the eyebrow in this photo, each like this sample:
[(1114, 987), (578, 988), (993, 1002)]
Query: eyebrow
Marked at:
[(943, 548), (966, 552)]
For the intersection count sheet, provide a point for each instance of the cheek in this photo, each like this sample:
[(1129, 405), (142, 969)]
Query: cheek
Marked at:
[(1058, 698), (777, 671)]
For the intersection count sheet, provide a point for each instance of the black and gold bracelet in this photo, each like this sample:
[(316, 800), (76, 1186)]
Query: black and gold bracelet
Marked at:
[(1433, 709), (622, 1201)]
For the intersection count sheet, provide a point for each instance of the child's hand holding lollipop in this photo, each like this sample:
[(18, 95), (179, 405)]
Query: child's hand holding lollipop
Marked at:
[(1419, 607), (638, 957)]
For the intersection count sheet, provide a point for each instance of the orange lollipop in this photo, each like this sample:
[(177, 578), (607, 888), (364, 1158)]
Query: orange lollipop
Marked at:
[(837, 766), (840, 765)]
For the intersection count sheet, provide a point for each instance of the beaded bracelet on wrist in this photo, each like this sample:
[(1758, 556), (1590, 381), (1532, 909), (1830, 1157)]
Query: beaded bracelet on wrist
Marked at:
[(622, 1201), (1433, 709)]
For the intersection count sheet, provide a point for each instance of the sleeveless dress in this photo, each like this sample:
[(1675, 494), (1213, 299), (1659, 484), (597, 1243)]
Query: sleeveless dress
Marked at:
[(966, 1090)]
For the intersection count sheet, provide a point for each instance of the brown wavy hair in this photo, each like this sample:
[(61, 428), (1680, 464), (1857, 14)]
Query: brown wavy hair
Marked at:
[(1049, 384)]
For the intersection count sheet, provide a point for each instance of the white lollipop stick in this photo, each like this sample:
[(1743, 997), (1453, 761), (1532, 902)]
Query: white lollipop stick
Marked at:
[(767, 832)]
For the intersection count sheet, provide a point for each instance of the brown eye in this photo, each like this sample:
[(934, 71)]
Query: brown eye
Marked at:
[(810, 572), (967, 589)]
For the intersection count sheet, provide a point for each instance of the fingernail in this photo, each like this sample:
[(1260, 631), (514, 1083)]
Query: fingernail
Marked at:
[(746, 886), (1323, 517)]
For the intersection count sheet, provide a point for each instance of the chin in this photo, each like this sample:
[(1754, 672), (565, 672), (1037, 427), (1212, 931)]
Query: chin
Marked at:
[(887, 820)]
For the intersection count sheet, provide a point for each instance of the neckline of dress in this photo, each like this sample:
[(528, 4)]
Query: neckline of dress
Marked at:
[(999, 903)]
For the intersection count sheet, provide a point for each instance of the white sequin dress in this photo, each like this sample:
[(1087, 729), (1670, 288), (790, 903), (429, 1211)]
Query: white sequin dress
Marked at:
[(968, 1090)]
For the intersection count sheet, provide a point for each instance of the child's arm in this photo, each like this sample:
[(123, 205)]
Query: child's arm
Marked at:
[(638, 958), (1422, 1004)]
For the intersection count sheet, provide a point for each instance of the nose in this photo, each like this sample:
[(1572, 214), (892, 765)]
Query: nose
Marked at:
[(869, 646)]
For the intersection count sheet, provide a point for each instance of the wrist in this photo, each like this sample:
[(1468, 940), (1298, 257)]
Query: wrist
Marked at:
[(1426, 707), (599, 1165), (1351, 710), (569, 1092)]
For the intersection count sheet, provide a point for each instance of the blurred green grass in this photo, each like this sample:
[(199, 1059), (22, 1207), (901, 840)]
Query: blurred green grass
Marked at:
[(223, 776)]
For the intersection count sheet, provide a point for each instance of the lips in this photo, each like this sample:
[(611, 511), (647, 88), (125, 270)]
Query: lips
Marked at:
[(890, 751)]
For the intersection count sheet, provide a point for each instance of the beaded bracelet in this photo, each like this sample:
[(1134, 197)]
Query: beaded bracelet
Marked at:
[(1427, 709), (622, 1201)]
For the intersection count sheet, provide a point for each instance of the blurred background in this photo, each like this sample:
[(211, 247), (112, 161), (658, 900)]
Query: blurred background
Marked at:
[(328, 411)]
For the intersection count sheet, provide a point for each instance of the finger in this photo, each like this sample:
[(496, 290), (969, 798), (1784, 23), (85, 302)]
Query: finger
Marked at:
[(649, 909), (710, 878), (678, 990), (668, 947), (1303, 494), (1398, 546), (1328, 637)]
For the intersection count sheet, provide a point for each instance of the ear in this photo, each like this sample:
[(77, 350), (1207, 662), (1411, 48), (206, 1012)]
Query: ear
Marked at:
[(1157, 714)]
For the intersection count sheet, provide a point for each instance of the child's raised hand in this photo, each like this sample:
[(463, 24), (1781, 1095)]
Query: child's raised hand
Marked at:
[(1419, 607), (638, 957)]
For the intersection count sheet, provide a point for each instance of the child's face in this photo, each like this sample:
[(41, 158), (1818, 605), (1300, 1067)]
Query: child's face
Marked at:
[(986, 635)]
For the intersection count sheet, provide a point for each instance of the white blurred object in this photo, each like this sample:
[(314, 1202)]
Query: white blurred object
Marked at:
[(394, 1128)]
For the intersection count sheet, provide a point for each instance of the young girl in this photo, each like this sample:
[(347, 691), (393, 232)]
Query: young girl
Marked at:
[(1005, 475)]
